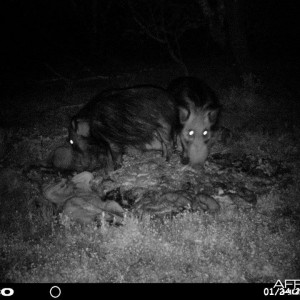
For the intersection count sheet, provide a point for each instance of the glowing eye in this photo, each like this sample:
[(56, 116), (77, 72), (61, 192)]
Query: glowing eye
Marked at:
[(205, 132), (191, 132), (71, 142)]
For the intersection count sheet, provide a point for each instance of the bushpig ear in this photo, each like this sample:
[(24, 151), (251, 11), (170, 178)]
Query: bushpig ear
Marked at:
[(183, 114), (213, 116), (187, 99)]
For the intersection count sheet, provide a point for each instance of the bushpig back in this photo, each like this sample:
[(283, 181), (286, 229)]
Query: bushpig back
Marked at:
[(131, 116), (143, 117)]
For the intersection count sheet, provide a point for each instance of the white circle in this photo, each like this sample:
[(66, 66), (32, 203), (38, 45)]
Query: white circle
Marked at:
[(7, 292), (59, 291)]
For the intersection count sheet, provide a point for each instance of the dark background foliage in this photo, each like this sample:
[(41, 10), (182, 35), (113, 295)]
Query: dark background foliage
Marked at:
[(97, 32)]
